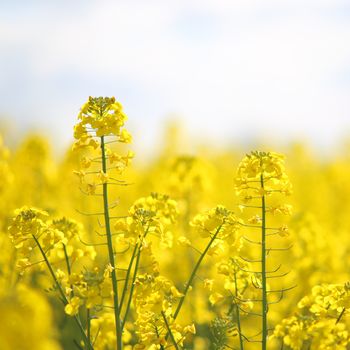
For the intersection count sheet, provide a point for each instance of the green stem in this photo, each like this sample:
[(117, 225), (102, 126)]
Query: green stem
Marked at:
[(111, 252), (63, 296), (67, 259), (340, 315), (128, 305), (68, 267), (169, 331), (238, 316), (263, 267), (193, 274), (127, 278), (132, 287), (88, 324)]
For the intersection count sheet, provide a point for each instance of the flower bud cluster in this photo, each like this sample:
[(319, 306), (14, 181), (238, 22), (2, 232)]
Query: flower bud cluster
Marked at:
[(319, 320)]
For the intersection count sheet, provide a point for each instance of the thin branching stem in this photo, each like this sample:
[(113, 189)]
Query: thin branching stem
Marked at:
[(88, 324), (169, 331), (263, 268), (132, 287), (238, 316), (127, 277), (195, 269), (340, 316), (63, 296), (110, 252), (68, 267)]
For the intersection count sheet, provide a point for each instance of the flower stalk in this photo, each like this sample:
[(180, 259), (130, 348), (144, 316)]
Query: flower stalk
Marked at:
[(63, 296), (118, 326), (262, 175), (263, 266), (194, 272), (238, 316)]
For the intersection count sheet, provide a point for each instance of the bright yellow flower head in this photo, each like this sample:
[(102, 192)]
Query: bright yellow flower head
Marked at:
[(73, 307), (217, 219), (100, 116), (262, 166)]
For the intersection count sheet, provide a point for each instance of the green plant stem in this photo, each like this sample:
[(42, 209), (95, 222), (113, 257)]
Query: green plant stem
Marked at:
[(169, 331), (68, 267), (195, 269), (63, 296), (111, 252), (238, 316), (340, 316), (263, 267), (127, 278), (67, 259), (88, 324), (128, 305), (138, 256)]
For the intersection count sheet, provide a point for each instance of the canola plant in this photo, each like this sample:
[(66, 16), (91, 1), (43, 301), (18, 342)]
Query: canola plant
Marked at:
[(185, 252)]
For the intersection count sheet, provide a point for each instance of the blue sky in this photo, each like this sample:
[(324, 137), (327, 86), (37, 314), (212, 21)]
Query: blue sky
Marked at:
[(228, 69)]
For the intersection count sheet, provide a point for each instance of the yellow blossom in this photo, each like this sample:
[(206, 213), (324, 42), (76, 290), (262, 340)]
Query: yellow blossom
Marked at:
[(72, 308)]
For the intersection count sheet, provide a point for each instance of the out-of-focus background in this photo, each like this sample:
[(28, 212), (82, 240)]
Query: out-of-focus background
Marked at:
[(229, 71)]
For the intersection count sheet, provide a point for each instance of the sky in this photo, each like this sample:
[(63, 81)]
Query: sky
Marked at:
[(229, 70)]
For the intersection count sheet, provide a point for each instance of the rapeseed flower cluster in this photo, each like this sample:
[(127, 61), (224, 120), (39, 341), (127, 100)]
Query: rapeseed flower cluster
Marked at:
[(100, 117), (319, 321)]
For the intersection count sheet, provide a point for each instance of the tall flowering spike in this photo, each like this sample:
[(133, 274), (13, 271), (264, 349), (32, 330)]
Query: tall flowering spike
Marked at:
[(260, 179), (101, 122)]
